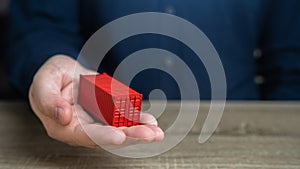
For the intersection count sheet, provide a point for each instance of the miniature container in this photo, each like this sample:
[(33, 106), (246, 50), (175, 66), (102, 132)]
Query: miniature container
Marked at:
[(118, 108)]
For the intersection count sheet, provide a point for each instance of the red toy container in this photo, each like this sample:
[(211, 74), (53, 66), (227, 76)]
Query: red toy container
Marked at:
[(120, 107)]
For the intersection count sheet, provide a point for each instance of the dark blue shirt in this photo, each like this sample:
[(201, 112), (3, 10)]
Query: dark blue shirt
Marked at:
[(42, 28)]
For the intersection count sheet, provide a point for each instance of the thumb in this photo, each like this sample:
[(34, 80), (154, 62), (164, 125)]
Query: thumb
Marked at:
[(46, 97), (58, 109), (53, 106)]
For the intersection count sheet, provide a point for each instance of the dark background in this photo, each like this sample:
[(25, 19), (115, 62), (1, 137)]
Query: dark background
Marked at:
[(6, 90)]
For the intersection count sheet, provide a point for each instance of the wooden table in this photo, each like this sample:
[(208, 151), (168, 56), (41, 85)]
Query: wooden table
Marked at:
[(251, 135)]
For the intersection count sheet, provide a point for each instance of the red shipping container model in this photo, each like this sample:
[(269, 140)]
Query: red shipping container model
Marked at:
[(109, 100)]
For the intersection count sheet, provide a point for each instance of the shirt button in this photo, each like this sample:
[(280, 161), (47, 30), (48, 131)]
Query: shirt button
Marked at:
[(257, 53), (170, 10), (259, 80)]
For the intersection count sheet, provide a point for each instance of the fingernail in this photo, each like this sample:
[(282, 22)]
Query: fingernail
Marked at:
[(59, 113)]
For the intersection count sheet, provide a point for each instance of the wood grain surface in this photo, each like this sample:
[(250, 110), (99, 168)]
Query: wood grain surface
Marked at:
[(251, 135)]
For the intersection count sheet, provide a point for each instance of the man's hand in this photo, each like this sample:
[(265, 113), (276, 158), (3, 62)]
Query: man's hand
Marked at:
[(53, 100)]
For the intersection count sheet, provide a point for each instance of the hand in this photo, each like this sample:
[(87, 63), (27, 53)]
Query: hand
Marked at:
[(52, 99)]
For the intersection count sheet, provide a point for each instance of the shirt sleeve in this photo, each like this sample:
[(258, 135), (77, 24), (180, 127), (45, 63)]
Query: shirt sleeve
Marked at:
[(39, 30), (280, 62)]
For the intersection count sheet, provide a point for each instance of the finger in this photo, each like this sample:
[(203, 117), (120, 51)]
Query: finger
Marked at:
[(159, 134), (148, 119), (56, 108), (127, 142), (81, 133), (140, 133), (100, 135)]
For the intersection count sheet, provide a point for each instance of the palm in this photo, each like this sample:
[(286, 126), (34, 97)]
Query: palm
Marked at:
[(74, 126)]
